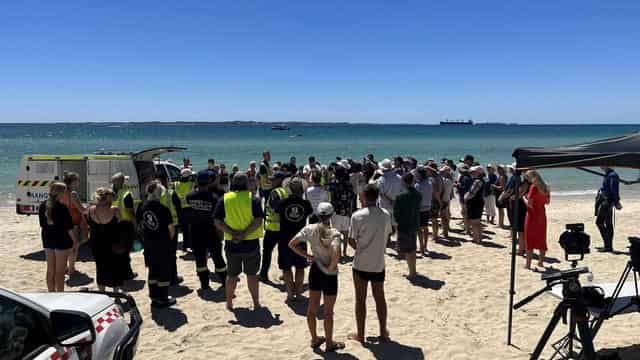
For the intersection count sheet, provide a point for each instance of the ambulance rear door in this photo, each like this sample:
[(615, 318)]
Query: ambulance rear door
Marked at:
[(33, 183), (98, 175)]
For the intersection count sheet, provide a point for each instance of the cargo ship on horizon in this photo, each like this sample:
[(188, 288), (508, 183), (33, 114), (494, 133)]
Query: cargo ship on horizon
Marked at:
[(457, 122)]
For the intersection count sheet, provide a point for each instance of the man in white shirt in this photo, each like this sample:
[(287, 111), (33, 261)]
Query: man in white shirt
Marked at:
[(368, 233), (316, 194)]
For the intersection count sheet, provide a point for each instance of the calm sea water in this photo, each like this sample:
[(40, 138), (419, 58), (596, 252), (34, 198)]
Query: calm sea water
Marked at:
[(240, 144)]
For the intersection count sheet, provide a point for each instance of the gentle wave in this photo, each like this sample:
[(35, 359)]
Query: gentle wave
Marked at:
[(574, 193)]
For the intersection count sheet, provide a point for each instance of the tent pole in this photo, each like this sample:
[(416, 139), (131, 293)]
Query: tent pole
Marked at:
[(514, 240)]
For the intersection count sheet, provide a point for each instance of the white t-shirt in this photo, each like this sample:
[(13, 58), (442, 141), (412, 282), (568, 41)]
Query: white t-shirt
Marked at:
[(389, 184), (316, 195), (370, 228), (322, 253)]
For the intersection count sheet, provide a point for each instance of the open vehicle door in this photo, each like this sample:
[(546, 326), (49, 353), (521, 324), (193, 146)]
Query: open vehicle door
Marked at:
[(150, 154)]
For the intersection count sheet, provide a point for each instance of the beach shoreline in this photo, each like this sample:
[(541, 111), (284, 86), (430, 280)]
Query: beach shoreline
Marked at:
[(457, 310)]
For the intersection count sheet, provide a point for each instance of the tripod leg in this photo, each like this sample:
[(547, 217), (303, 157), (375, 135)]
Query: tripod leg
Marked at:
[(557, 315), (585, 337)]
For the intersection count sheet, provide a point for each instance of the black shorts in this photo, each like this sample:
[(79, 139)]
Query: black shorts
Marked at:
[(424, 218), (319, 281), (474, 212), (287, 259), (369, 276), (406, 242)]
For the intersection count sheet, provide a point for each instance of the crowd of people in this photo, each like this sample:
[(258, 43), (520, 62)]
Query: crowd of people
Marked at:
[(311, 213)]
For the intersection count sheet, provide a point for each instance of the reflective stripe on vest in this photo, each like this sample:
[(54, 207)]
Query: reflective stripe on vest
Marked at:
[(183, 188), (119, 203), (272, 219), (167, 201), (238, 214)]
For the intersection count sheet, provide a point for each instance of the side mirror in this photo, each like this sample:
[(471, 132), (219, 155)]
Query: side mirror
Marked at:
[(72, 328)]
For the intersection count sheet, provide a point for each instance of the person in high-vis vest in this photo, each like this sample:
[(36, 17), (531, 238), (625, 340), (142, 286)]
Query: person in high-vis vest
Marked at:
[(240, 217), (204, 234), (182, 188), (125, 204), (158, 231), (171, 201), (272, 222), (264, 173)]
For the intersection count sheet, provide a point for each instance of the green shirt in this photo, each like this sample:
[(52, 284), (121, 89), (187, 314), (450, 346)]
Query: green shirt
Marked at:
[(406, 210)]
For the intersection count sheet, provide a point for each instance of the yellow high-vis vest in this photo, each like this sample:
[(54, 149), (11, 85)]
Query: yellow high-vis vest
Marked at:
[(238, 214), (263, 179), (118, 202), (182, 188), (272, 219), (167, 201)]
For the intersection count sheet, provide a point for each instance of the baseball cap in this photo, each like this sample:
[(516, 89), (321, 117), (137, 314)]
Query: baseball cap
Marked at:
[(186, 172), (325, 209)]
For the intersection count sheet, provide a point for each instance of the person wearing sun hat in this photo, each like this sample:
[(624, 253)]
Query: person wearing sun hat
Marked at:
[(390, 186)]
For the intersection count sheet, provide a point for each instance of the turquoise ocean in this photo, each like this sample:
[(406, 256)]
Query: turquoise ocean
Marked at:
[(238, 144)]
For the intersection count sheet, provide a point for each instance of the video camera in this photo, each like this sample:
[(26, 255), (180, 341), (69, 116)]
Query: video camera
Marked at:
[(575, 242)]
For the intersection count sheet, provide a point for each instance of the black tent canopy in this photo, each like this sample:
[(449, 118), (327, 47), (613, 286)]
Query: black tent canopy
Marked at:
[(623, 151)]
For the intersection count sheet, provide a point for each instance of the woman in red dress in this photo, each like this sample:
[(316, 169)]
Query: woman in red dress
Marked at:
[(535, 225)]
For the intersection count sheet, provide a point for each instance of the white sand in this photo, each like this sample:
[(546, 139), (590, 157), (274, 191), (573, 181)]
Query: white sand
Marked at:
[(460, 311)]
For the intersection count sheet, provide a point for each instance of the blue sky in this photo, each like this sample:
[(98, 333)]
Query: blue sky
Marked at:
[(356, 61)]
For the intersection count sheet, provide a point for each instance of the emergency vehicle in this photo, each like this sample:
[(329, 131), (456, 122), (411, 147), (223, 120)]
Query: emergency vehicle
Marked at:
[(68, 325), (36, 172)]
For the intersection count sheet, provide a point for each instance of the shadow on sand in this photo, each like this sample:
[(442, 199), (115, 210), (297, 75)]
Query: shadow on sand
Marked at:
[(392, 350), (424, 282), (171, 319), (260, 318)]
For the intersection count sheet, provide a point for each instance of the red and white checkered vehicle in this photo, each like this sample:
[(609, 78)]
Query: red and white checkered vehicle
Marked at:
[(69, 325)]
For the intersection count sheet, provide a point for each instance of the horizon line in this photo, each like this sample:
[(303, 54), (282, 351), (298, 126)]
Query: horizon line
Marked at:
[(306, 123)]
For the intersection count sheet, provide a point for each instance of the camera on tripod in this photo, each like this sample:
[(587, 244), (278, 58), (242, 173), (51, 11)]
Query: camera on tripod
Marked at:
[(575, 243)]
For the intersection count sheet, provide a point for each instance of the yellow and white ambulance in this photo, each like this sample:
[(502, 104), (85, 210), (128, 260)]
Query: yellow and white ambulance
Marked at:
[(36, 172)]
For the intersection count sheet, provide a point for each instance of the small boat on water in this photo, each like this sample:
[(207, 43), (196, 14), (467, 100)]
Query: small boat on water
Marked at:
[(280, 127)]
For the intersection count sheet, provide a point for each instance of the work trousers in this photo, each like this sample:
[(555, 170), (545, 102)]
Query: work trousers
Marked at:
[(604, 221), (269, 243), (160, 275), (204, 245)]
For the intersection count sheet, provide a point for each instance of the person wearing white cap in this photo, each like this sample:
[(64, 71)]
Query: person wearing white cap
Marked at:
[(324, 242), (390, 186), (474, 202)]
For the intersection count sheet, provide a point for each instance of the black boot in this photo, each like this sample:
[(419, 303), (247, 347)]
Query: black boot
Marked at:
[(163, 299), (204, 280)]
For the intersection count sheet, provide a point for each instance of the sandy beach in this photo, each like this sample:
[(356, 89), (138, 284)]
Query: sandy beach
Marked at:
[(458, 309)]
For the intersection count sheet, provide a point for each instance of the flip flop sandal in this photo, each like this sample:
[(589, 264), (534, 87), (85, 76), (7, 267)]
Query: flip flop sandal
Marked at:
[(336, 346)]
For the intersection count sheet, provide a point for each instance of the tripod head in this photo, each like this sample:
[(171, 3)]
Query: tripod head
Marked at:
[(571, 288)]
